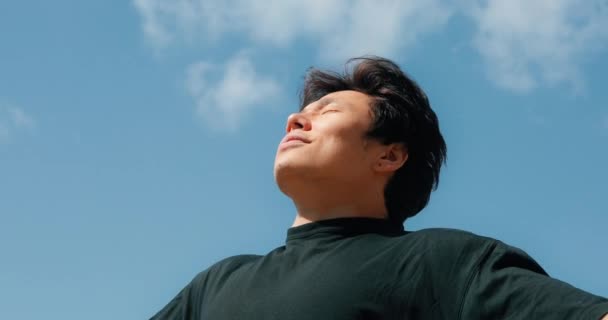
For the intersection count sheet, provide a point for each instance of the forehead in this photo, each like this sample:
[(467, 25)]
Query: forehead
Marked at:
[(347, 98)]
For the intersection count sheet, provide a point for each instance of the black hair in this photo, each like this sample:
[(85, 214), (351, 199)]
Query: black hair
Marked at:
[(401, 113)]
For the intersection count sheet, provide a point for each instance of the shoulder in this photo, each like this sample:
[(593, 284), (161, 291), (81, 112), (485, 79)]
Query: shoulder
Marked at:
[(442, 232), (465, 253), (226, 265), (454, 242), (450, 239), (190, 297), (234, 262), (450, 251)]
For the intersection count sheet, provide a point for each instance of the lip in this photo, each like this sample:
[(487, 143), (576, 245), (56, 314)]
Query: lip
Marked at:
[(292, 137), (292, 140)]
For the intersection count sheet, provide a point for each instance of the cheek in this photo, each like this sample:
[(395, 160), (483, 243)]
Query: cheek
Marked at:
[(345, 153)]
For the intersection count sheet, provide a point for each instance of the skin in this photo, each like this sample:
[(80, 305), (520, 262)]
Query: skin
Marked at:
[(336, 172)]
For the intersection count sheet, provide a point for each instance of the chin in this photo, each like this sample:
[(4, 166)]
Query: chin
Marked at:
[(282, 169), (287, 173), (281, 178)]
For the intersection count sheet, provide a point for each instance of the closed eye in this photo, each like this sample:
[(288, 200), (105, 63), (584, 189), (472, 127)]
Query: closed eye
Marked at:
[(330, 110)]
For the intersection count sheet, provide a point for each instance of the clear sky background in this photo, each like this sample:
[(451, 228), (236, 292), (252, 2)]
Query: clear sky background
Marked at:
[(137, 138)]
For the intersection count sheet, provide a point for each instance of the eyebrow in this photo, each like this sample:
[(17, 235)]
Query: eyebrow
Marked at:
[(322, 103), (326, 100)]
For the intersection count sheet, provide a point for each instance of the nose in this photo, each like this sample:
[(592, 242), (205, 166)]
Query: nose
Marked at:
[(298, 121)]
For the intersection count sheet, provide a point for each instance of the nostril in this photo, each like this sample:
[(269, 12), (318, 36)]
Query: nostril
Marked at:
[(294, 122)]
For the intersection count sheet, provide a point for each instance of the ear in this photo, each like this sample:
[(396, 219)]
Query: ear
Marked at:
[(392, 158)]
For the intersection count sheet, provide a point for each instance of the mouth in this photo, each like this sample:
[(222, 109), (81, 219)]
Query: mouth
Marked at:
[(292, 140), (289, 138)]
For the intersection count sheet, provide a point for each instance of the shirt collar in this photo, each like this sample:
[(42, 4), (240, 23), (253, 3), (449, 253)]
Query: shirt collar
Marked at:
[(342, 228)]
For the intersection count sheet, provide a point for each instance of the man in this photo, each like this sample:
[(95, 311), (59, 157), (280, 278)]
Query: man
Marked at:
[(361, 156)]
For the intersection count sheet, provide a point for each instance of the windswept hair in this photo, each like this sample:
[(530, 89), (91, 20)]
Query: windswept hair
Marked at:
[(401, 114)]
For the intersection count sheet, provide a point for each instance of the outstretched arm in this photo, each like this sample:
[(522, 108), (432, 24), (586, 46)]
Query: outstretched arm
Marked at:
[(509, 282)]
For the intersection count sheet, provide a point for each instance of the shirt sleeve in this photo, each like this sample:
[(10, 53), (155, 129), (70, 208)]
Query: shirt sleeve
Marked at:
[(186, 304), (508, 284)]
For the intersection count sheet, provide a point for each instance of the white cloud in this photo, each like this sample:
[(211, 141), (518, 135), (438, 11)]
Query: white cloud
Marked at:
[(153, 13), (343, 28), (224, 102), (381, 27), (524, 44), (530, 43), (13, 119)]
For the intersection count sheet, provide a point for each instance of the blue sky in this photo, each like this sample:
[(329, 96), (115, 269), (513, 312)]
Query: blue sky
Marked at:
[(137, 138)]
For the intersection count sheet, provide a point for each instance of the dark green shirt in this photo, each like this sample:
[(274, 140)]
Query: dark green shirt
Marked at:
[(360, 268)]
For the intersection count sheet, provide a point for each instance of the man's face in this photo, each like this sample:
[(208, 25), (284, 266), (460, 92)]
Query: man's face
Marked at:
[(326, 142)]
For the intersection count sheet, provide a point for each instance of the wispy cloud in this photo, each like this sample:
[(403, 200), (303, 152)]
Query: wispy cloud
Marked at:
[(523, 44), (224, 95), (380, 27), (343, 28), (153, 14), (13, 120), (20, 119), (529, 43)]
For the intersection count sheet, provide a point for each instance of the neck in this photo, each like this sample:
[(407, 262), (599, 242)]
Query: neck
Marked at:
[(326, 199), (311, 211)]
